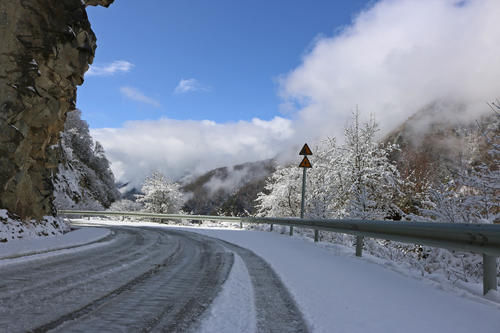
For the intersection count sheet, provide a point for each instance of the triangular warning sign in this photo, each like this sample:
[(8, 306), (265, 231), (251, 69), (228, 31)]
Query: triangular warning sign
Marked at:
[(305, 150), (305, 163)]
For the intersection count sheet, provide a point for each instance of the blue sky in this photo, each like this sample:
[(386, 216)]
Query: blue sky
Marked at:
[(235, 51), (187, 86)]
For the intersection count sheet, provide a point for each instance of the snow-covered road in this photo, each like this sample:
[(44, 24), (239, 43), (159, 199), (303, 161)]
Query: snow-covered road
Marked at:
[(142, 279), (148, 276)]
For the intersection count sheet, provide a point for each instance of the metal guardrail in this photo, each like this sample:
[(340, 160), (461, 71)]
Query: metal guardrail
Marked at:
[(152, 215), (478, 238)]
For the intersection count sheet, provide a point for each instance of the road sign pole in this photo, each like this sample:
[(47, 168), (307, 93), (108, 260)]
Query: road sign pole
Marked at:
[(303, 192), (304, 165)]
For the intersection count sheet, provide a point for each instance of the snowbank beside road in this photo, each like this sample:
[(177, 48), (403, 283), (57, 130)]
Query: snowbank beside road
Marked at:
[(12, 229), (78, 237), (233, 310)]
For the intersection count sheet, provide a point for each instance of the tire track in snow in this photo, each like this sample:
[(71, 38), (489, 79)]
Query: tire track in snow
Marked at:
[(276, 309)]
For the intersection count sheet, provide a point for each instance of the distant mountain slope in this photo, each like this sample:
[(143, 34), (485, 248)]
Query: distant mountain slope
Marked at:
[(436, 140), (227, 190)]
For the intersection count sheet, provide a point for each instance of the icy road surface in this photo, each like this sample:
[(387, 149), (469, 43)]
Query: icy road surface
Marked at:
[(138, 279)]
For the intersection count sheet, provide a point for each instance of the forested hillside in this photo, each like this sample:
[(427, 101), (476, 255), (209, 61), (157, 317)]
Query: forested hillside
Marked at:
[(84, 179)]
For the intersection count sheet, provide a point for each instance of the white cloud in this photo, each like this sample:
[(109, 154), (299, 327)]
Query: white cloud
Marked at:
[(396, 58), (138, 96), (181, 147), (189, 85), (110, 69)]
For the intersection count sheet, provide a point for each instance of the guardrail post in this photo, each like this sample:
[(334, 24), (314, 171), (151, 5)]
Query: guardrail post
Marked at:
[(359, 246), (489, 273), (241, 224), (316, 235), (291, 230), (271, 228)]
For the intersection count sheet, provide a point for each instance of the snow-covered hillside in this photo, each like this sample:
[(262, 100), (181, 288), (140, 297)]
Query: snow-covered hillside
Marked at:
[(12, 228), (84, 179)]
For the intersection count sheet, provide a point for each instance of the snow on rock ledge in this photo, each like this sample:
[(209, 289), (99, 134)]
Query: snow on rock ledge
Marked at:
[(12, 228)]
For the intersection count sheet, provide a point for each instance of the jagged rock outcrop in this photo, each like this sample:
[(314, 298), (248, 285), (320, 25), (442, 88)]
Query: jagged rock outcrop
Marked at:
[(46, 47)]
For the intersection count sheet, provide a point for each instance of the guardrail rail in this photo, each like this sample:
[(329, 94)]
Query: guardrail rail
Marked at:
[(478, 238)]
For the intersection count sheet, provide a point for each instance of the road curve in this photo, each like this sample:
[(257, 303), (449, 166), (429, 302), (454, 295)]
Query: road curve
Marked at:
[(140, 279)]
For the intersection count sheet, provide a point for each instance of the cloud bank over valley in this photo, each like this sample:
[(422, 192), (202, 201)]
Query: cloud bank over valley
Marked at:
[(179, 148), (394, 59)]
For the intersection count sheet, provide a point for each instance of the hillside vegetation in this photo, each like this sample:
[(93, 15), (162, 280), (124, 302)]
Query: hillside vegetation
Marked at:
[(84, 179)]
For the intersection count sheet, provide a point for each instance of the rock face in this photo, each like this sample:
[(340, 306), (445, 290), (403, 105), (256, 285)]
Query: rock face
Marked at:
[(46, 47)]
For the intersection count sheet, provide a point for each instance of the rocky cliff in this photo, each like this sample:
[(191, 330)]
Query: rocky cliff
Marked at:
[(46, 47)]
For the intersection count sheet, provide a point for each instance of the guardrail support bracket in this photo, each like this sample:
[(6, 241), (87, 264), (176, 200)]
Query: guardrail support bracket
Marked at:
[(489, 273)]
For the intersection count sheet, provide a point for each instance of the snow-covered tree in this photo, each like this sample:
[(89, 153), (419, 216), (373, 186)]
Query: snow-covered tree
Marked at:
[(355, 179), (324, 194), (470, 192), (84, 178), (125, 205), (371, 181), (445, 203), (282, 194), (483, 179), (160, 195)]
